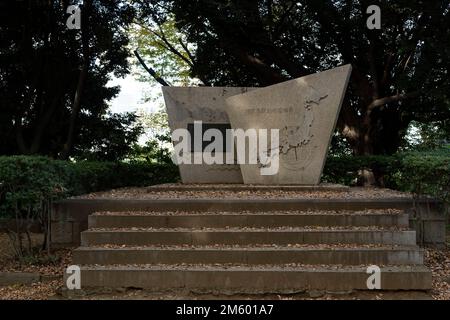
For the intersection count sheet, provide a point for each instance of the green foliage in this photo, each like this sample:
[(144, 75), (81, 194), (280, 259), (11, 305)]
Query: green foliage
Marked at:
[(422, 173), (426, 173), (153, 151), (29, 184), (165, 49), (400, 72), (427, 136), (40, 73), (96, 176), (155, 122), (346, 169), (37, 259), (108, 138)]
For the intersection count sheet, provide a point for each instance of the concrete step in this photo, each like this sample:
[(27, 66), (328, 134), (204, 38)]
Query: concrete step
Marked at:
[(246, 187), (84, 207), (216, 220), (387, 255), (245, 237), (257, 279)]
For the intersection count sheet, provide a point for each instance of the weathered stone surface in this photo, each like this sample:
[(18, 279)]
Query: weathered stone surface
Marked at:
[(242, 237), (70, 210), (305, 110), (386, 255), (251, 280), (254, 220), (248, 252), (207, 104)]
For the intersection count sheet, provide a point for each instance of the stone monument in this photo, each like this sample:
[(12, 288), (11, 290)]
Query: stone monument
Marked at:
[(185, 105), (303, 112)]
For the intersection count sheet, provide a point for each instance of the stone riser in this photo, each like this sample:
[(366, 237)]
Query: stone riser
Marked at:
[(253, 281), (246, 220), (253, 256), (85, 207), (142, 238), (248, 187)]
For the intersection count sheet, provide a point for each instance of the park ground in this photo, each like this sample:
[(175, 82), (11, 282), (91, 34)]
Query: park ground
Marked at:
[(51, 268)]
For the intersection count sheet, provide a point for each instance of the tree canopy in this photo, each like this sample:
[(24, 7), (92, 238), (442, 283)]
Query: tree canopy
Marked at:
[(53, 80), (400, 72)]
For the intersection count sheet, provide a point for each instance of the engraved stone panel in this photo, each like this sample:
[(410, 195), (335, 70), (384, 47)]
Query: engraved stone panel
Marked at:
[(305, 110), (207, 104)]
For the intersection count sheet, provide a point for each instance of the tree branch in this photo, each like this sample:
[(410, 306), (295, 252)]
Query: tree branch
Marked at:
[(191, 56), (266, 73), (394, 98), (150, 70), (169, 46)]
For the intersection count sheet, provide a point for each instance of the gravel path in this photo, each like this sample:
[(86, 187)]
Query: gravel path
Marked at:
[(242, 267), (251, 246), (208, 213), (154, 193), (255, 229)]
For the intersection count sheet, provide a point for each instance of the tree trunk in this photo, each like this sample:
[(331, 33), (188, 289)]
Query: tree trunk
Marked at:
[(76, 107), (378, 132), (75, 110)]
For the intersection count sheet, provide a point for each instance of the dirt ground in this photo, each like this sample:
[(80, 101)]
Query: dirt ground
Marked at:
[(52, 269)]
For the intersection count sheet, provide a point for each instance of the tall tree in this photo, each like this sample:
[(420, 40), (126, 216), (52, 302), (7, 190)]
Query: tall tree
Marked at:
[(400, 72), (53, 80)]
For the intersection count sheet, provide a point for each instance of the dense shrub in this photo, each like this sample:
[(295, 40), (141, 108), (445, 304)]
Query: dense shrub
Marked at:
[(28, 185), (95, 176), (26, 181), (426, 173), (346, 169), (418, 172)]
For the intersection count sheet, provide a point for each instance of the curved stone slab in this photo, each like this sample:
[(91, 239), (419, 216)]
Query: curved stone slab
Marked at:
[(305, 110), (185, 105)]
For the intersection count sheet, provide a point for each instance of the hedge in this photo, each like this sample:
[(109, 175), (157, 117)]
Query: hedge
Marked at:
[(423, 173), (426, 173), (345, 170), (31, 183)]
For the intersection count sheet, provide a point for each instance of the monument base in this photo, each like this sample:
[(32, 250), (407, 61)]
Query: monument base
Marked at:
[(223, 241), (248, 187), (70, 217)]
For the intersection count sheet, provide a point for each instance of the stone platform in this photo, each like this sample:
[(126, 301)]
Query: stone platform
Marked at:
[(236, 239), (70, 217)]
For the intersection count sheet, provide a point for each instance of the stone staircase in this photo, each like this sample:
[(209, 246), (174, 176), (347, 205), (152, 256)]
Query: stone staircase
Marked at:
[(257, 251)]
